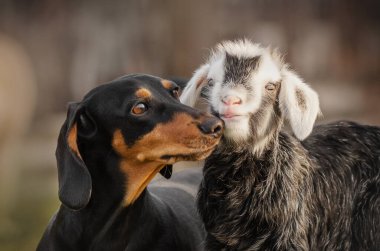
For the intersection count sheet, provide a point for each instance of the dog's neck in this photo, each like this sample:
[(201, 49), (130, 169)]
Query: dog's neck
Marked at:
[(237, 182), (116, 224), (125, 222), (108, 210)]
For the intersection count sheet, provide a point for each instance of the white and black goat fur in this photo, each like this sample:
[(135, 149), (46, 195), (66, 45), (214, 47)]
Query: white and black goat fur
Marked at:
[(265, 189)]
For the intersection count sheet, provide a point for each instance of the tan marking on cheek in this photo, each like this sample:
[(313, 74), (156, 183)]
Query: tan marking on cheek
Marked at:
[(141, 162), (143, 93), (170, 138), (118, 143), (166, 84), (138, 173), (72, 140), (177, 137)]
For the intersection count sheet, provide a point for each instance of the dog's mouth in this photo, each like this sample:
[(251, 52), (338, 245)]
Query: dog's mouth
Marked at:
[(199, 155), (141, 181)]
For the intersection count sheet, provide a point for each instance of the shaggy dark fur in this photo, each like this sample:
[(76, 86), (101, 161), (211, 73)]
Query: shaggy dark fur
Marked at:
[(319, 194), (238, 70)]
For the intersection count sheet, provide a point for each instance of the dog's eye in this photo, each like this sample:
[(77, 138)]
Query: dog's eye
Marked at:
[(139, 109), (270, 86), (175, 92)]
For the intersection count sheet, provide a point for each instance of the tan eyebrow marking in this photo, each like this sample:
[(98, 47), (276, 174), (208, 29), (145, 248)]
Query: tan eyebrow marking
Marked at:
[(143, 93), (166, 84)]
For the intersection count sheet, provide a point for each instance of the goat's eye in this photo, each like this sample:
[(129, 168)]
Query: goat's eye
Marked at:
[(139, 108), (210, 82), (175, 92), (270, 86)]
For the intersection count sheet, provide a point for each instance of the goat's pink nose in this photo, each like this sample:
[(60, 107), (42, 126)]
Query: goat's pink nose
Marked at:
[(231, 100)]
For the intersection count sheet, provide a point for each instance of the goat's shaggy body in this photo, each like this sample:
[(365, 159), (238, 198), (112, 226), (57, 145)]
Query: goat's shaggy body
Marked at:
[(320, 194), (266, 190)]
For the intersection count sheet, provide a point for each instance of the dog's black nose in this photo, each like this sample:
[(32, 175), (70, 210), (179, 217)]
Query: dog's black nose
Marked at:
[(212, 126)]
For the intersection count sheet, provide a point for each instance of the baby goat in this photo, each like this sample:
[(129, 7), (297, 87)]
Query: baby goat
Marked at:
[(264, 189)]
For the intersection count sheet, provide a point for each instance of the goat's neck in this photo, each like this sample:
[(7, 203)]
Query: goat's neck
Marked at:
[(253, 147), (264, 190), (278, 151)]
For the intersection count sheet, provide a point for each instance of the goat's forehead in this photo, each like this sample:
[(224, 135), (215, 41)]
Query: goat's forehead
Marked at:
[(217, 70), (267, 71), (237, 70)]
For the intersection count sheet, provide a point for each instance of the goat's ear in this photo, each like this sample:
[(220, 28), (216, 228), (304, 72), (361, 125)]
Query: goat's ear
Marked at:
[(298, 103), (74, 179), (193, 88)]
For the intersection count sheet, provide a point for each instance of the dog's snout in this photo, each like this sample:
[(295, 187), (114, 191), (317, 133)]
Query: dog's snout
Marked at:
[(211, 126)]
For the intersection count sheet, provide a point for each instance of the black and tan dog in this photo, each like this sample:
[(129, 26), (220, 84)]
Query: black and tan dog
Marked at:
[(110, 147)]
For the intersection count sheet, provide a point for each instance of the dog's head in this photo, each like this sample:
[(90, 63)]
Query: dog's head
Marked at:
[(132, 127)]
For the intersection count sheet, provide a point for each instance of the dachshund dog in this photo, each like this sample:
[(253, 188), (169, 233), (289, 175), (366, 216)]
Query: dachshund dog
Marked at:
[(110, 147)]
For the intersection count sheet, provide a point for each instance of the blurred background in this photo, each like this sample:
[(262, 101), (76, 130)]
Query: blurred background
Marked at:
[(54, 51)]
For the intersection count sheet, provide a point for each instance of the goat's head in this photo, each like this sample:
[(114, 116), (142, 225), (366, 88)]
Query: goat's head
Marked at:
[(252, 90)]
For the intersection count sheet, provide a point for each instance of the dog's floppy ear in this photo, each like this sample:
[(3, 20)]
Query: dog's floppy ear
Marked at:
[(73, 176), (193, 88), (167, 171), (298, 103)]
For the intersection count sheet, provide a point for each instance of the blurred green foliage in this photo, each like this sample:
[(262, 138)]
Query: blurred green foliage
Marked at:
[(24, 222)]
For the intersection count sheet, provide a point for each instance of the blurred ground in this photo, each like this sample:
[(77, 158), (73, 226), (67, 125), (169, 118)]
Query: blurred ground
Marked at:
[(54, 51)]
